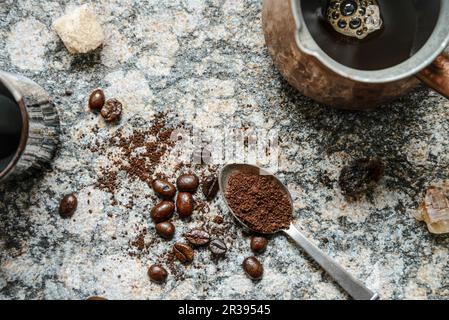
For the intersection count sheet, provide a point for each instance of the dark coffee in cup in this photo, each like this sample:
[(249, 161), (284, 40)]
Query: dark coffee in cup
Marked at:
[(406, 25), (29, 126), (10, 127)]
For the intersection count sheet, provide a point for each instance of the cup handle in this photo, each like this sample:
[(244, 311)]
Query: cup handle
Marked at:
[(436, 76)]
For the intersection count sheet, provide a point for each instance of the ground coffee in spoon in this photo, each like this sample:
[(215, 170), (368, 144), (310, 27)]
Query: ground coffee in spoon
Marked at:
[(259, 201)]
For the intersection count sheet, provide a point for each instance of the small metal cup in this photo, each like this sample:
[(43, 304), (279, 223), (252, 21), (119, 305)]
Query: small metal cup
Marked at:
[(39, 134)]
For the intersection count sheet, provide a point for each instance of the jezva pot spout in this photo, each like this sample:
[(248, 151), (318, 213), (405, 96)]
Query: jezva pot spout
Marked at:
[(311, 70)]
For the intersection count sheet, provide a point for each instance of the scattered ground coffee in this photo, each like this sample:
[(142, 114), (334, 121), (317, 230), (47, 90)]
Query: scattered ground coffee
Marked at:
[(218, 219), (139, 241), (259, 201), (137, 165)]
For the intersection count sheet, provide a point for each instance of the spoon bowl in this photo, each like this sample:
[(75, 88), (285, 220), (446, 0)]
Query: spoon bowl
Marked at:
[(351, 285), (227, 171)]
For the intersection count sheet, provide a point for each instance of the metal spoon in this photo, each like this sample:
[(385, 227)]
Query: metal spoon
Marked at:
[(351, 285)]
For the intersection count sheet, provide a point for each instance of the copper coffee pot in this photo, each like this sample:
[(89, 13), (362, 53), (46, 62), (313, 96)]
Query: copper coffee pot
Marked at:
[(315, 74)]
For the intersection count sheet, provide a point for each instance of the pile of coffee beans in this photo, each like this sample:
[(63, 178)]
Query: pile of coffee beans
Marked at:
[(251, 265), (183, 205), (187, 185), (110, 110)]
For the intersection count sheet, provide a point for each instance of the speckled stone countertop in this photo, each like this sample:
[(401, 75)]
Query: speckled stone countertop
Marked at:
[(203, 63)]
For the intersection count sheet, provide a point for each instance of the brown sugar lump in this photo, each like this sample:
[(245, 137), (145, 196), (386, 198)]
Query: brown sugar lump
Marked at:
[(80, 30)]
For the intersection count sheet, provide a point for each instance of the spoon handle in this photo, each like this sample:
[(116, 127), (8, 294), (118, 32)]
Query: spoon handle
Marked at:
[(351, 285)]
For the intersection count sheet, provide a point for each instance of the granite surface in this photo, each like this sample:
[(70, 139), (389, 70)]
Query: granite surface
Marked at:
[(204, 63)]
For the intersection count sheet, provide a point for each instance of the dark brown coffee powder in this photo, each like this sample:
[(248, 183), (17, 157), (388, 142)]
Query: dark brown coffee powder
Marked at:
[(259, 201), (152, 144)]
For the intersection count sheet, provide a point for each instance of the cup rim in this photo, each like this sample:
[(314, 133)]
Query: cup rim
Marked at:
[(24, 132), (435, 45)]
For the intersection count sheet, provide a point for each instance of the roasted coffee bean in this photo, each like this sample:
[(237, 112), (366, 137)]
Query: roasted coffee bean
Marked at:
[(187, 183), (68, 206), (162, 211), (184, 204), (112, 110), (96, 298), (164, 188), (157, 273), (183, 252), (165, 229), (217, 247), (198, 237), (97, 99), (258, 244), (210, 187), (253, 268)]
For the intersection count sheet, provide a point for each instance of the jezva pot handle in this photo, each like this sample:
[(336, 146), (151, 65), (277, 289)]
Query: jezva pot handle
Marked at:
[(436, 76)]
